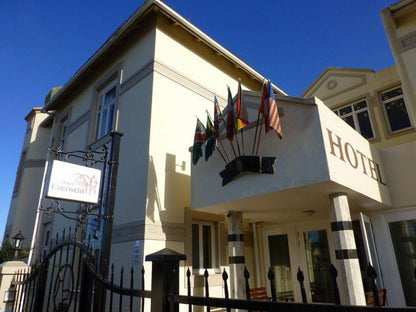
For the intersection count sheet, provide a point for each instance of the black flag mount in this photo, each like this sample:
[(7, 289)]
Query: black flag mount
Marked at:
[(243, 164)]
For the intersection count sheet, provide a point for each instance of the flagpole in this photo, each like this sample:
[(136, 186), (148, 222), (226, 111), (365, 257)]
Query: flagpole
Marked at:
[(219, 139), (258, 117), (258, 143), (236, 138), (242, 140), (231, 142), (255, 135), (222, 156)]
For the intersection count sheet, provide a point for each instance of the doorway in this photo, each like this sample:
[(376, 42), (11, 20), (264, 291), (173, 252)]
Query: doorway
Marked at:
[(307, 247)]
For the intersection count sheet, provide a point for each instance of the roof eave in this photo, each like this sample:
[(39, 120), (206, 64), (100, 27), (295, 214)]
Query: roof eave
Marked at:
[(135, 17)]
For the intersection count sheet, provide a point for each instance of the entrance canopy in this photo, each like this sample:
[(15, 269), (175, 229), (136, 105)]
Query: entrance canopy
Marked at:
[(319, 155)]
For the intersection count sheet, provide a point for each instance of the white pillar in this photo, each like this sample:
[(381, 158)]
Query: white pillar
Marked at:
[(236, 255), (349, 277)]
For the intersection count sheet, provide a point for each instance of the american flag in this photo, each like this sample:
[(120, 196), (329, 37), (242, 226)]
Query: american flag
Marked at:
[(273, 120)]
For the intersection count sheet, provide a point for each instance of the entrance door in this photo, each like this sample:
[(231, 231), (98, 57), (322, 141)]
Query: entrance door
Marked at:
[(282, 258), (307, 248), (316, 255), (370, 247)]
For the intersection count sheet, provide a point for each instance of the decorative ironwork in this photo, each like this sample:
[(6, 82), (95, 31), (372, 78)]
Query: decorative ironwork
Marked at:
[(63, 290), (90, 158), (74, 287)]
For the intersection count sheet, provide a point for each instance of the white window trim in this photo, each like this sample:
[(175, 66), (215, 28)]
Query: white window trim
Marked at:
[(112, 79), (101, 107), (385, 115), (355, 118), (19, 174), (63, 131), (214, 244)]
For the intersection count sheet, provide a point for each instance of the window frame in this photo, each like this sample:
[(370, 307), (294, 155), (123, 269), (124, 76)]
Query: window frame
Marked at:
[(214, 247), (107, 109), (110, 80), (19, 174), (385, 114), (354, 113), (63, 131)]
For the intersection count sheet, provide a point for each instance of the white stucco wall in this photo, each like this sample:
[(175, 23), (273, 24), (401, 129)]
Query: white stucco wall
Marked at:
[(300, 160), (352, 161)]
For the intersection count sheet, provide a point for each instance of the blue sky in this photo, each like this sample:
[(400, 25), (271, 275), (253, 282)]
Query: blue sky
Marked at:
[(43, 43)]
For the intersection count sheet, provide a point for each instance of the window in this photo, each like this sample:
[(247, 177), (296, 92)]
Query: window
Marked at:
[(19, 173), (63, 132), (46, 239), (395, 110), (203, 245), (106, 110), (403, 235), (357, 116)]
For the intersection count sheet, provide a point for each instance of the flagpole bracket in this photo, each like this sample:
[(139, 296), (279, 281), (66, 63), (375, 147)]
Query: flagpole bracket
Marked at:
[(242, 164)]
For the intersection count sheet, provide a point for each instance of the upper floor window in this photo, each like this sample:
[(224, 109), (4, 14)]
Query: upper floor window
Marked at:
[(19, 173), (63, 132), (395, 109), (106, 109), (357, 115)]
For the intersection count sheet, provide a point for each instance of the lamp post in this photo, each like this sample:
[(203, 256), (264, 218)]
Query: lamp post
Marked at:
[(18, 238)]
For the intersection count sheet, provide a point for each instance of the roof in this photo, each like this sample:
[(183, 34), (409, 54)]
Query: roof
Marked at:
[(126, 31)]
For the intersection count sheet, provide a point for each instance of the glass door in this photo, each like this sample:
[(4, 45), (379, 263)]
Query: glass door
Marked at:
[(403, 236), (281, 257), (280, 264), (316, 254), (370, 247)]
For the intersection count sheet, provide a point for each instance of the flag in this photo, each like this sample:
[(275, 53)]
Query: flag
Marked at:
[(268, 107), (273, 120), (217, 118), (230, 117), (199, 140), (210, 138), (264, 107), (242, 113)]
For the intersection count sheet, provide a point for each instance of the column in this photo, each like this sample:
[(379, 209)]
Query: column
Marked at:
[(236, 255), (349, 275)]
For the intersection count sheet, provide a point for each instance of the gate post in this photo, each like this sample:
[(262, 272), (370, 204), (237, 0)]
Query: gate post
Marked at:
[(41, 286), (165, 278), (86, 287)]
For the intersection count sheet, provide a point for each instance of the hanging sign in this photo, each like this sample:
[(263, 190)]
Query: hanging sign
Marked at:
[(74, 182)]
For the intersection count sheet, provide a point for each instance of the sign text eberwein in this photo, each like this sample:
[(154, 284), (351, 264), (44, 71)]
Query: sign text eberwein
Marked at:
[(74, 182)]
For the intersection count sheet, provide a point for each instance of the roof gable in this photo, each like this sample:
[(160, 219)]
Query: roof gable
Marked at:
[(334, 81)]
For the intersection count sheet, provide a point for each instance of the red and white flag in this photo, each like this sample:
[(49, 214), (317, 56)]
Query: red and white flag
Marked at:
[(268, 107)]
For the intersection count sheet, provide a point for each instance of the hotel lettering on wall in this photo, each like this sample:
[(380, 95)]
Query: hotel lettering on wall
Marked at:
[(74, 182), (346, 152)]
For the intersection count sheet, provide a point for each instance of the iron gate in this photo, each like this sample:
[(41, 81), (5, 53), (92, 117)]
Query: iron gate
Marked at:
[(67, 280)]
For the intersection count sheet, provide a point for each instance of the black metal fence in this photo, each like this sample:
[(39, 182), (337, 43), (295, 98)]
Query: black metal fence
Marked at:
[(67, 280)]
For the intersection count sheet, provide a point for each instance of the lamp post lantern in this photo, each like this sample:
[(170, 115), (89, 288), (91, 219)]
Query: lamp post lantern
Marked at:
[(18, 238)]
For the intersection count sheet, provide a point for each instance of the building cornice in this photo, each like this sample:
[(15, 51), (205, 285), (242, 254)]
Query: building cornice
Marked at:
[(126, 30)]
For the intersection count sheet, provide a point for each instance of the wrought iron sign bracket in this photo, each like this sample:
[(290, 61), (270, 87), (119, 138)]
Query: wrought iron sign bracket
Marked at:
[(90, 157)]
